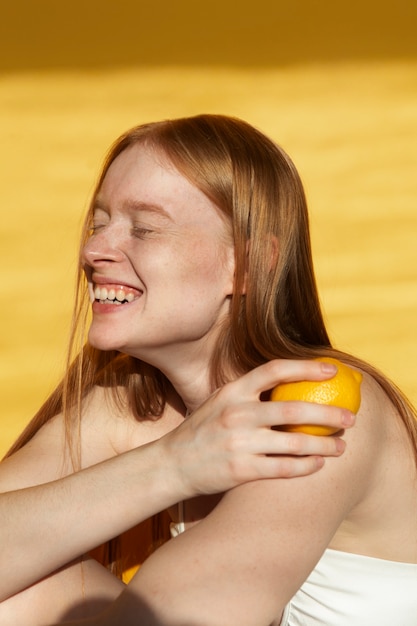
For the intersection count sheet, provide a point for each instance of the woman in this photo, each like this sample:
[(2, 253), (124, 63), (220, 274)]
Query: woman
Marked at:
[(198, 261), (48, 521)]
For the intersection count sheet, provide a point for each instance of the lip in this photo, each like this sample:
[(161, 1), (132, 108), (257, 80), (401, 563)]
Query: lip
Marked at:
[(98, 307), (105, 306), (109, 280), (110, 283)]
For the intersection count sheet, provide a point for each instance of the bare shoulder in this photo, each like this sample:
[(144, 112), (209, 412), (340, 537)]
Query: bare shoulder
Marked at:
[(109, 423), (41, 460), (385, 514), (376, 408), (379, 426), (49, 455), (107, 428)]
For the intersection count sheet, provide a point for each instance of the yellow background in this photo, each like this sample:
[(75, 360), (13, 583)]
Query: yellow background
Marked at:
[(335, 83)]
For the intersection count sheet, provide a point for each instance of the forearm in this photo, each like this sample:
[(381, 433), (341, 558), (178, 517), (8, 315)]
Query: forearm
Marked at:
[(46, 526), (228, 441)]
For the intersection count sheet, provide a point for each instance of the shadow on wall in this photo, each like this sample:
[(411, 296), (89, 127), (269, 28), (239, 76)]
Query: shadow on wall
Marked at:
[(102, 33)]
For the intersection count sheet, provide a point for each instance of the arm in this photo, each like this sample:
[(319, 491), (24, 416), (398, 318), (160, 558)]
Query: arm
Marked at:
[(243, 563), (49, 525), (222, 445)]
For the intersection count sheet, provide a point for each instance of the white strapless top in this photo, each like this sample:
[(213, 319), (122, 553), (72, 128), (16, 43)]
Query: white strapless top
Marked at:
[(347, 589)]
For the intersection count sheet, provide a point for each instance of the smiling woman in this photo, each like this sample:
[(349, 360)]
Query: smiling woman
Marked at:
[(200, 225), (177, 258)]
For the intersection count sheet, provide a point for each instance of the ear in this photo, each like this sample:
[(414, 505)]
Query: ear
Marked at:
[(231, 269), (270, 249)]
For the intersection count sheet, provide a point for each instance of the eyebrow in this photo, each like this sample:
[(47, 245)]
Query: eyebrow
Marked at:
[(135, 205)]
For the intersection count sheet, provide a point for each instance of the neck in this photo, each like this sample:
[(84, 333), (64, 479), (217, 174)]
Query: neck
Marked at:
[(192, 389)]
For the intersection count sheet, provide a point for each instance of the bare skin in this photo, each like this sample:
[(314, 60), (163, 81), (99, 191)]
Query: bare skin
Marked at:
[(177, 267), (348, 505), (216, 449), (364, 503)]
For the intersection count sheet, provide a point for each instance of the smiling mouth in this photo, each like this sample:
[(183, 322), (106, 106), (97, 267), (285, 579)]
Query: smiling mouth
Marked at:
[(115, 295)]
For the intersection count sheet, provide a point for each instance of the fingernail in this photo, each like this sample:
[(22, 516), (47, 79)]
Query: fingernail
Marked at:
[(340, 445), (328, 368), (348, 418), (319, 462)]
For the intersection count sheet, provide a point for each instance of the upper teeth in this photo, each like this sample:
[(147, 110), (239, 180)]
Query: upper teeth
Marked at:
[(102, 294)]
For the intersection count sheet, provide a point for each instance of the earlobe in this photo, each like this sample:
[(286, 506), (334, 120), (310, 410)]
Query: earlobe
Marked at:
[(231, 261)]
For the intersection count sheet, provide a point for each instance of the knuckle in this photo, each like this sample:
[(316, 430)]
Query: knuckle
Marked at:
[(291, 467), (230, 417), (290, 412), (295, 443), (285, 467), (274, 368)]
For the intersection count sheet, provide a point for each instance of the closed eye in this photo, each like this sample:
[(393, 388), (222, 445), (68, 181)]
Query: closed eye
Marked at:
[(99, 219), (95, 228), (140, 231)]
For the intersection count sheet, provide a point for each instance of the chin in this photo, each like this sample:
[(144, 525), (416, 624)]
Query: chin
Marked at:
[(101, 342)]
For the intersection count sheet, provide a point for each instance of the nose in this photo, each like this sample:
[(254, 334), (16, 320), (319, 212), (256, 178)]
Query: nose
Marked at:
[(100, 250)]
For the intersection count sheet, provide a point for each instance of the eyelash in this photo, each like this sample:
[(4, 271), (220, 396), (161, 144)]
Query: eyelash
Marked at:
[(94, 228), (140, 232), (137, 231)]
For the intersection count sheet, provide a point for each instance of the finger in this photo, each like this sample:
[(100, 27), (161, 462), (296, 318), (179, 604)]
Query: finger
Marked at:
[(288, 467), (300, 412), (270, 442), (272, 373), (270, 414), (300, 444)]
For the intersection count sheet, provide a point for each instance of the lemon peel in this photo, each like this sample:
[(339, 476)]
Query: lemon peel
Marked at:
[(342, 390)]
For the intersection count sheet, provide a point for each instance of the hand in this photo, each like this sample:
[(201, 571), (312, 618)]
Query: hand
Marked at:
[(230, 439)]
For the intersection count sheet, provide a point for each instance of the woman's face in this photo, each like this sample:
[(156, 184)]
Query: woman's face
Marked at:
[(159, 263)]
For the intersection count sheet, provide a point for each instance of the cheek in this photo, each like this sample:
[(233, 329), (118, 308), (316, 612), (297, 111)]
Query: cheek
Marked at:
[(208, 270)]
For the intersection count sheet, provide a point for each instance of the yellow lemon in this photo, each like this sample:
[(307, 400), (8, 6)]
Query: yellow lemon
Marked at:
[(342, 390)]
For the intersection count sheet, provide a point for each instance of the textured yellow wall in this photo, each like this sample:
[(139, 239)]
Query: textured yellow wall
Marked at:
[(85, 33), (337, 90)]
